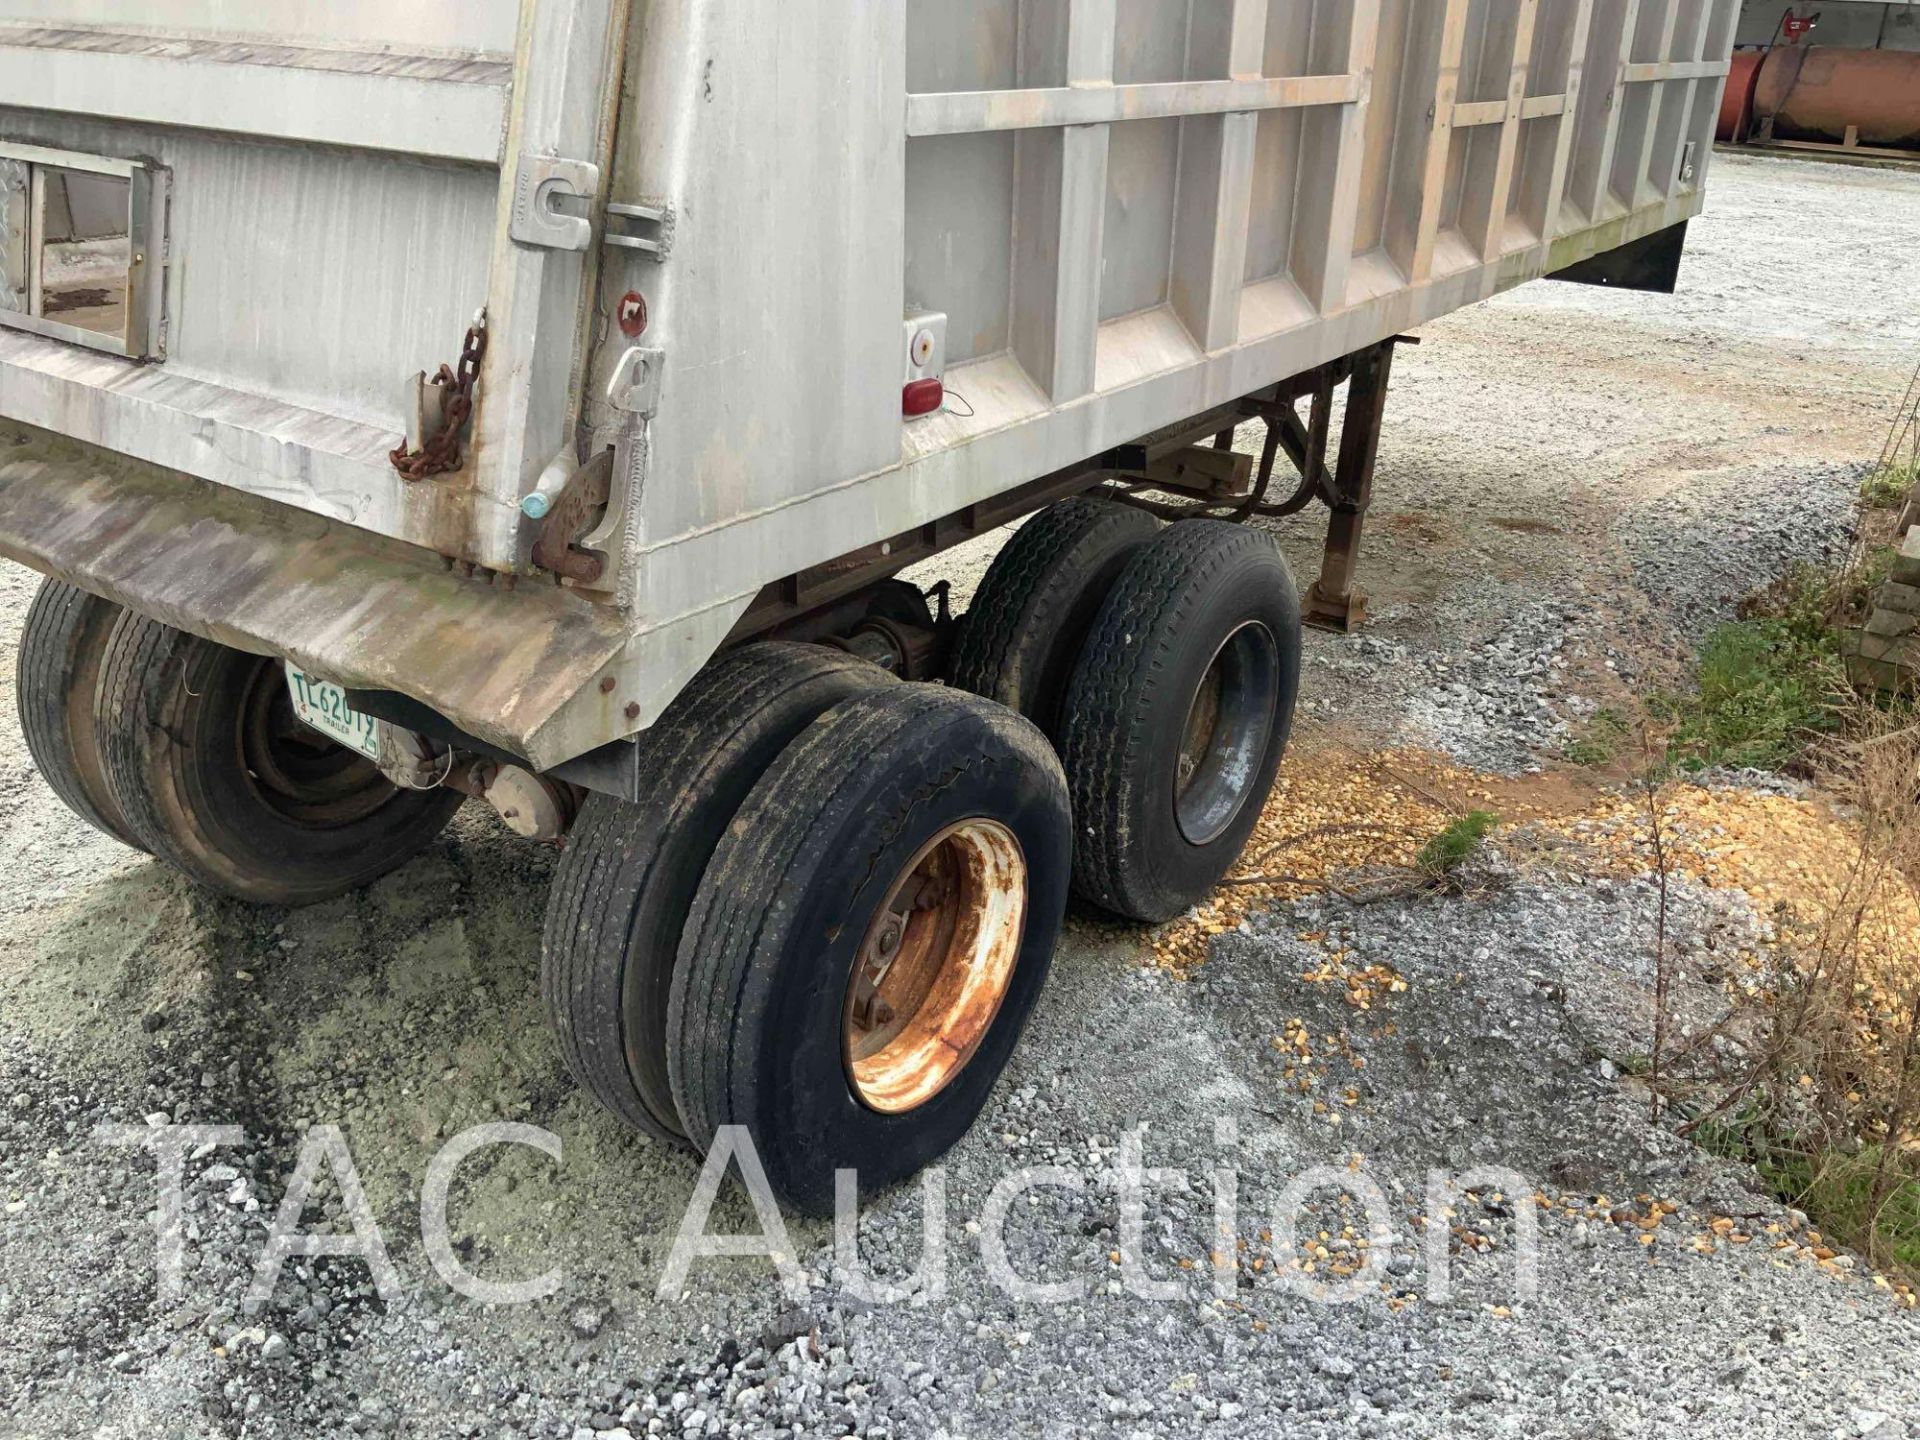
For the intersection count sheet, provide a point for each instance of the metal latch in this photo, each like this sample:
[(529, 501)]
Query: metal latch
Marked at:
[(646, 228), (635, 386), (581, 505), (1689, 162), (543, 183)]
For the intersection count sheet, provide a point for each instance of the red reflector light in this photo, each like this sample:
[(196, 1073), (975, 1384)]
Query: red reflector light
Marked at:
[(923, 397)]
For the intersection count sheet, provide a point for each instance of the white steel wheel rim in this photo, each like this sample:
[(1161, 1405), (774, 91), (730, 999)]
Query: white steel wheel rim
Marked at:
[(1229, 727)]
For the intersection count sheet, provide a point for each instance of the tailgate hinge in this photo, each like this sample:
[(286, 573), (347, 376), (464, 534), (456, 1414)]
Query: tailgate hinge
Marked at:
[(647, 229)]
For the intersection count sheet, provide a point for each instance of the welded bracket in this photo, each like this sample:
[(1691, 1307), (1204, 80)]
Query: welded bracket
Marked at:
[(645, 229), (542, 185), (634, 388), (582, 502), (1234, 487)]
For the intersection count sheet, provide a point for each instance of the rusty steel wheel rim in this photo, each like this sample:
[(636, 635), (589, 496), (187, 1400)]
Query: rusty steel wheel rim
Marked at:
[(296, 772), (935, 966), (1229, 727)]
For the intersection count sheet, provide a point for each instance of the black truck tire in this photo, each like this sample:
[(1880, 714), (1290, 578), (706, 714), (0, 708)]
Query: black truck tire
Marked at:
[(217, 778), (630, 872), (870, 940), (56, 686), (1038, 603), (1178, 717)]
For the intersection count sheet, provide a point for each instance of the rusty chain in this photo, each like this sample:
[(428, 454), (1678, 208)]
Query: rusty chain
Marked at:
[(441, 453)]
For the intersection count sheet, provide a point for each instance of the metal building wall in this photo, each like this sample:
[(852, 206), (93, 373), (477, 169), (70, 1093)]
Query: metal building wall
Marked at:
[(1846, 24)]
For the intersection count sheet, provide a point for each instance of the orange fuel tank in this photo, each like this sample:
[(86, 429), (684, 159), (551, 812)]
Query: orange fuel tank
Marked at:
[(1736, 109), (1818, 92)]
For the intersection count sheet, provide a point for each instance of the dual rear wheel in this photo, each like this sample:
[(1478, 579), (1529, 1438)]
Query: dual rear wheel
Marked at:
[(57, 686), (1179, 712), (831, 921), (833, 915), (830, 928), (191, 751), (871, 938), (1164, 663)]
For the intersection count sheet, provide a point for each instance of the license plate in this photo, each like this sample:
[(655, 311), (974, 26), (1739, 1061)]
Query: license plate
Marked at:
[(321, 705)]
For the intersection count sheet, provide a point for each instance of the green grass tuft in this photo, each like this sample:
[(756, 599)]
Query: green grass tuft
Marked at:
[(1765, 688), (1446, 852), (1768, 683), (1888, 487), (1834, 1186), (1839, 1191), (1598, 744)]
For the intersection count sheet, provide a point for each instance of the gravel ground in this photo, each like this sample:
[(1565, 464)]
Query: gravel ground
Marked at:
[(1575, 487)]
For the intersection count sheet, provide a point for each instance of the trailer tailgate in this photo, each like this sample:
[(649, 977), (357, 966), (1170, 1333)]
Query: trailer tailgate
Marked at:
[(267, 227)]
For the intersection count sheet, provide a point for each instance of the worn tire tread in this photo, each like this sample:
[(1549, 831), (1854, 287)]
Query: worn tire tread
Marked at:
[(64, 637), (147, 750), (135, 648), (617, 850), (1143, 624), (770, 858), (1037, 587)]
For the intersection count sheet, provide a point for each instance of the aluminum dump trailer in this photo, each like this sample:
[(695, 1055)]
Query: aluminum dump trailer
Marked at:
[(486, 368)]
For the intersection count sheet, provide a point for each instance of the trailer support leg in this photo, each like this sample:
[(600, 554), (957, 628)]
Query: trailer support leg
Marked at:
[(1334, 602)]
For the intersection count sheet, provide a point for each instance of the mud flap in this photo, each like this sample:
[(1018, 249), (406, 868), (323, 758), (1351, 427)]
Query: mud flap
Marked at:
[(1651, 263)]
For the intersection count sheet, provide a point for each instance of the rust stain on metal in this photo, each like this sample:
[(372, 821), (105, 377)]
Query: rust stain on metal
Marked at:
[(441, 454), (1736, 105), (1820, 93)]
